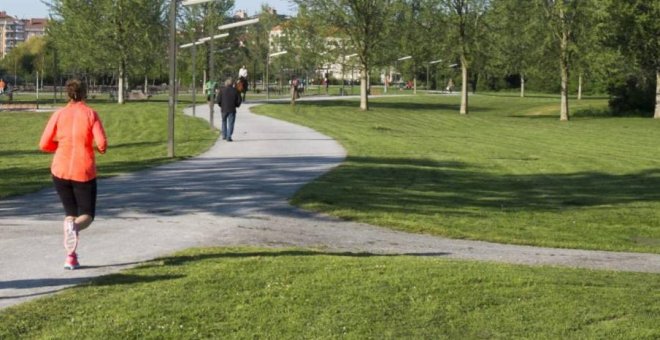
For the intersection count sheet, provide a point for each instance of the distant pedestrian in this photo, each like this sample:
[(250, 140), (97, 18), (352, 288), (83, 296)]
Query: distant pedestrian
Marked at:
[(229, 100), (71, 134), (210, 88), (295, 83), (450, 85)]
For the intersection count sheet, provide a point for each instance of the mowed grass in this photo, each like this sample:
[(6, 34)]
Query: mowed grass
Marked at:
[(508, 172), (304, 294), (137, 137)]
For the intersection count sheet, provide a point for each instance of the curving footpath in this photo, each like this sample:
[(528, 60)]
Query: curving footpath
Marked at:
[(234, 194)]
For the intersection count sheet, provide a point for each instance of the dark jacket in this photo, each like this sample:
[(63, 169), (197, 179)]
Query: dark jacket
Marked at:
[(228, 100)]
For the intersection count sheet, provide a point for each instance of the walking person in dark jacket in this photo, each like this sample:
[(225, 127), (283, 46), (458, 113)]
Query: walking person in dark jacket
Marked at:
[(228, 100)]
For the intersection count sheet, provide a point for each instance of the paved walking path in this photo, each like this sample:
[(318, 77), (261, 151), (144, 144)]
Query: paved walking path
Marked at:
[(234, 194)]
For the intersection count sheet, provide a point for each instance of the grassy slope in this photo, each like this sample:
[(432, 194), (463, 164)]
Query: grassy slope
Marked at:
[(508, 172), (137, 136), (286, 294)]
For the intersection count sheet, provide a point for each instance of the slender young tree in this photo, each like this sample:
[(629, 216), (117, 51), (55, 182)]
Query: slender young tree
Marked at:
[(364, 22), (568, 20), (257, 42), (466, 19), (310, 45), (636, 30), (90, 35), (200, 21), (416, 27), (514, 46)]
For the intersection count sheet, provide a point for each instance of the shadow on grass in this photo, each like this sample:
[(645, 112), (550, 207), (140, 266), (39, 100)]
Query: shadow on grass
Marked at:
[(384, 104), (119, 278), (13, 153), (126, 279), (184, 259), (424, 187), (248, 186), (533, 116), (537, 95)]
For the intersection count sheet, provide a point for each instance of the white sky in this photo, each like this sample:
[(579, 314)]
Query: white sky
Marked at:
[(36, 9)]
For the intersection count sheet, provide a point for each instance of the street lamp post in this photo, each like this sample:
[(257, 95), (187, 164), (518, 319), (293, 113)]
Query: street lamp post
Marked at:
[(172, 75), (428, 71), (194, 71), (210, 75), (402, 59), (212, 49), (172, 53)]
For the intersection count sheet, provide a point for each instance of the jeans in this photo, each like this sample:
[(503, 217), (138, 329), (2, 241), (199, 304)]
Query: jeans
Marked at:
[(228, 125)]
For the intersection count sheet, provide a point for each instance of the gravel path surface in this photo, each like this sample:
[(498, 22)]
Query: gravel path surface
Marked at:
[(234, 194)]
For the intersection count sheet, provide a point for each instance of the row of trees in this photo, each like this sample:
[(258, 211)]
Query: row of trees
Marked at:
[(607, 40), (611, 44), (125, 41)]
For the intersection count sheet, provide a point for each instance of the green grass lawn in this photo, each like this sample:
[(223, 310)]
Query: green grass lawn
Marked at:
[(509, 172), (301, 294), (512, 175), (137, 137)]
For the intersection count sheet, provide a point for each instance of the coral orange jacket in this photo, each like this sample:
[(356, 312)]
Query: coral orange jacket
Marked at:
[(70, 133)]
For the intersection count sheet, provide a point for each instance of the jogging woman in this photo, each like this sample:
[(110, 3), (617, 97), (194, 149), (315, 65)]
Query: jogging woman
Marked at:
[(71, 133)]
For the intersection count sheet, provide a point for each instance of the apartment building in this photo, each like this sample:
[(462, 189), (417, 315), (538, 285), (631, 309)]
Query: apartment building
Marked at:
[(14, 31)]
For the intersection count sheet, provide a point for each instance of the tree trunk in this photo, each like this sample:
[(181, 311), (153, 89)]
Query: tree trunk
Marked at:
[(657, 94), (120, 84), (464, 86), (415, 85), (146, 85), (579, 96), (364, 98), (522, 85), (563, 64)]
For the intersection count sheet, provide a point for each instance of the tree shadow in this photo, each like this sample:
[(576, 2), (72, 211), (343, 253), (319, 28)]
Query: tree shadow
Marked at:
[(127, 279), (185, 259), (247, 186), (383, 104), (387, 185), (14, 153), (59, 284)]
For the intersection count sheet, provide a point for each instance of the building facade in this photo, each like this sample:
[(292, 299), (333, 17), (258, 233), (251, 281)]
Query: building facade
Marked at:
[(14, 31)]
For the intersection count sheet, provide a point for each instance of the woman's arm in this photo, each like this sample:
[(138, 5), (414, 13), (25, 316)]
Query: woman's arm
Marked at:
[(47, 142)]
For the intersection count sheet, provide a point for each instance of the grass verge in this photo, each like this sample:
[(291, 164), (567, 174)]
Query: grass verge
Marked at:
[(508, 172), (137, 137), (297, 293)]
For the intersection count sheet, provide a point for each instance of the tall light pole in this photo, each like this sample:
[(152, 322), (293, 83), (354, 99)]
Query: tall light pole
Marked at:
[(267, 67), (211, 67), (194, 71), (172, 53), (428, 71), (212, 49), (172, 66)]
